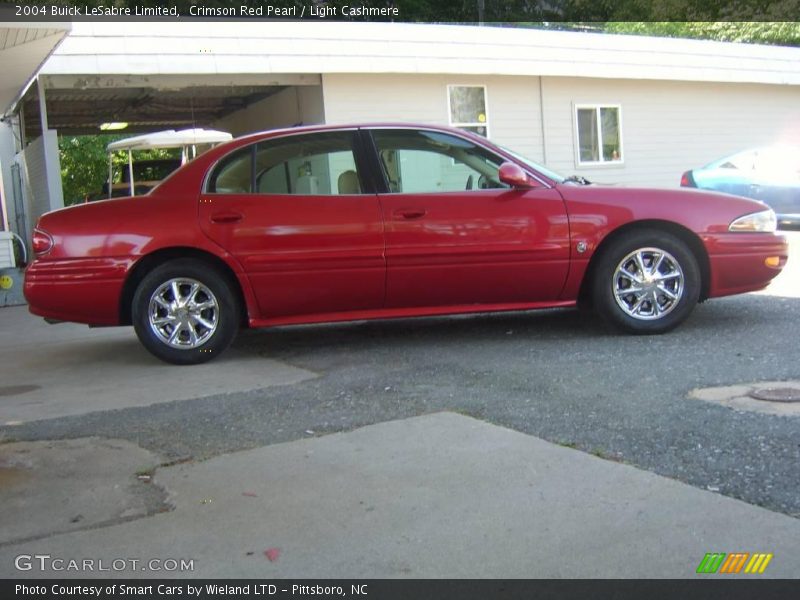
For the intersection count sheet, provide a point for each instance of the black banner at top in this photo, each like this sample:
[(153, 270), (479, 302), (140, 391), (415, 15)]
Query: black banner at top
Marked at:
[(442, 11)]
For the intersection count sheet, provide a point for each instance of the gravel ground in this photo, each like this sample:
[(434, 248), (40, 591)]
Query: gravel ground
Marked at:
[(558, 375)]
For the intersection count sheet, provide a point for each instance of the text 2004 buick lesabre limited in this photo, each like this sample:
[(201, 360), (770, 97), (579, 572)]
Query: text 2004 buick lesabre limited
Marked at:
[(358, 222)]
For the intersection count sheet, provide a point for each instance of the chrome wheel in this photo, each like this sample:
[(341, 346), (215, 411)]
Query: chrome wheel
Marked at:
[(648, 284), (183, 313)]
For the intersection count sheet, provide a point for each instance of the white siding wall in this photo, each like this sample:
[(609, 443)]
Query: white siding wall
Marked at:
[(293, 105), (42, 194), (512, 102), (669, 127), (7, 152), (7, 258)]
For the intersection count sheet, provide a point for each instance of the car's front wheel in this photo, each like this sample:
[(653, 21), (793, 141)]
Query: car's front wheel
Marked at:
[(646, 282), (185, 312)]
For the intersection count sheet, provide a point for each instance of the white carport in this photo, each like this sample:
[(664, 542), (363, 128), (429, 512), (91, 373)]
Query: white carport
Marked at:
[(23, 49)]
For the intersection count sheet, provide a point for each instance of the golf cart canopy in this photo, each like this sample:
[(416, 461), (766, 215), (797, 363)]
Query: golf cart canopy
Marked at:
[(171, 139), (186, 139)]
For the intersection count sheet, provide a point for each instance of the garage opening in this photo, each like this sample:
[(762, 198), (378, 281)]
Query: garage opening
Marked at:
[(89, 112)]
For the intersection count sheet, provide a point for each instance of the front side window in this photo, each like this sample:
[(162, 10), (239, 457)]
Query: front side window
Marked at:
[(467, 104), (312, 164), (430, 162), (599, 133)]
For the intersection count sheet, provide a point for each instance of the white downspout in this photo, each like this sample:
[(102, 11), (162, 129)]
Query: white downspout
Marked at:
[(130, 170), (110, 172)]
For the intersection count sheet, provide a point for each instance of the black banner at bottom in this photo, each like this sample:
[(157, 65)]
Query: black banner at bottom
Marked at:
[(405, 589)]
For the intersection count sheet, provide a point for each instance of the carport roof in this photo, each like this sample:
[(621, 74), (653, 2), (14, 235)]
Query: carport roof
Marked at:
[(145, 104), (163, 75), (23, 48), (269, 47)]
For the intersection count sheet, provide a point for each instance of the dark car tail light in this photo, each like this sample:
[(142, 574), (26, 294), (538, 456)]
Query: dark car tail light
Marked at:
[(41, 242), (687, 180)]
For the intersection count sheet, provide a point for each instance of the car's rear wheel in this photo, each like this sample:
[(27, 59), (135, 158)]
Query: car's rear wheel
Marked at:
[(185, 312), (646, 282)]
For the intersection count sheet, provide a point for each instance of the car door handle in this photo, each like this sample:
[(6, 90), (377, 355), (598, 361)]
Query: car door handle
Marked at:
[(226, 217), (409, 213)]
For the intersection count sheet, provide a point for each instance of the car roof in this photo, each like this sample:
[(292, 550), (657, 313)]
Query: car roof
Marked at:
[(267, 133)]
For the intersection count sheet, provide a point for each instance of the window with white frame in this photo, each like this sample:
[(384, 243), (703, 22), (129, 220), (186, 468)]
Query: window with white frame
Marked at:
[(467, 104), (598, 128)]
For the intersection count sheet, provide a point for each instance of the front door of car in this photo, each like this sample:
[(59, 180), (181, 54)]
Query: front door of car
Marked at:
[(297, 215), (455, 235)]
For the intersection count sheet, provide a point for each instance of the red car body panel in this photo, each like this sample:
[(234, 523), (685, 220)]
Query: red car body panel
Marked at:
[(736, 260), (303, 255), (438, 246), (305, 259), (57, 289), (739, 267)]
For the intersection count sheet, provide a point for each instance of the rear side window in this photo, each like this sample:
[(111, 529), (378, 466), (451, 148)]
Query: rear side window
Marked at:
[(233, 174), (314, 164), (321, 164)]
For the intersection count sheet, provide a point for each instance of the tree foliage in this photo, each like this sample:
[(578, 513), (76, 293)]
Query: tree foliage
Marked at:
[(84, 163), (596, 11), (780, 33)]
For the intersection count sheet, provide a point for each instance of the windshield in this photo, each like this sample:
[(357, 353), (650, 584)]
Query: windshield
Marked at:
[(535, 166)]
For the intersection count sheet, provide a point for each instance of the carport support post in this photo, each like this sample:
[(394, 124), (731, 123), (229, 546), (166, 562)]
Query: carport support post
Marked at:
[(54, 192), (21, 124), (110, 172), (130, 170), (42, 105)]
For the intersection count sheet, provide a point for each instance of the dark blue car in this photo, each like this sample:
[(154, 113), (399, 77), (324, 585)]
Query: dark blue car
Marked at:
[(770, 174)]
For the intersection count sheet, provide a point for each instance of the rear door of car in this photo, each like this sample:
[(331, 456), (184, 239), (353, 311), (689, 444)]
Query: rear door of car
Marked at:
[(457, 236), (300, 215)]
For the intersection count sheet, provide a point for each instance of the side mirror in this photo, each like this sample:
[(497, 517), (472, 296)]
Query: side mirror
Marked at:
[(515, 176)]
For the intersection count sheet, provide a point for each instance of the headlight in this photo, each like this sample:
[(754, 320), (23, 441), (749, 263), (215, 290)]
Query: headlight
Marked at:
[(765, 221)]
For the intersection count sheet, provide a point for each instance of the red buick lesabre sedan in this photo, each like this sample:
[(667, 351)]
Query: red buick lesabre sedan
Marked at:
[(340, 223)]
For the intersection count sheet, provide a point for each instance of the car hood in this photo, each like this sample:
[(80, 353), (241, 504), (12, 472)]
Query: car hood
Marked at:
[(697, 210)]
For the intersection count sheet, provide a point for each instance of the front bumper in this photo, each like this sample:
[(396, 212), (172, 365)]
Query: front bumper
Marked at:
[(739, 261)]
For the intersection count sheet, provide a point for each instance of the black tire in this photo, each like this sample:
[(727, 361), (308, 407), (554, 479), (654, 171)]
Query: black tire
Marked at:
[(660, 299), (212, 302)]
